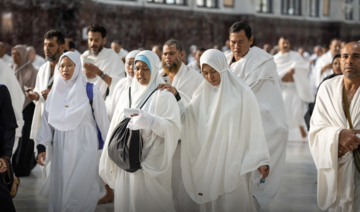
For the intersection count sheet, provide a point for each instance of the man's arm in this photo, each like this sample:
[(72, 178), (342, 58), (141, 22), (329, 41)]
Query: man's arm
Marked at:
[(92, 70)]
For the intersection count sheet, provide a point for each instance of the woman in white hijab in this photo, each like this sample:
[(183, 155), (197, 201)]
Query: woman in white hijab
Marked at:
[(69, 121), (122, 85), (149, 188), (222, 140)]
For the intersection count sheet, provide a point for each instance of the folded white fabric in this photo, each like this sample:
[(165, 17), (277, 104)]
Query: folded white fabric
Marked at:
[(143, 121)]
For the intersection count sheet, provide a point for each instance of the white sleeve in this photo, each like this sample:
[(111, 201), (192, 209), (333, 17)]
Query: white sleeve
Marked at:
[(37, 90), (46, 131), (101, 118)]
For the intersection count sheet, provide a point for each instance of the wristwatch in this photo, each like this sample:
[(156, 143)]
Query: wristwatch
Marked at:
[(102, 75)]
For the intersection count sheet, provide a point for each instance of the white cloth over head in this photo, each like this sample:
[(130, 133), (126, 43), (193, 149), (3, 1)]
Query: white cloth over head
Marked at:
[(132, 190), (72, 178), (67, 100), (219, 144), (120, 87), (338, 181), (258, 70), (107, 61)]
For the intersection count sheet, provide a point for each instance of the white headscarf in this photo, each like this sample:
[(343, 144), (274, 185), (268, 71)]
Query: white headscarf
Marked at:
[(222, 136), (131, 55), (67, 100), (139, 93)]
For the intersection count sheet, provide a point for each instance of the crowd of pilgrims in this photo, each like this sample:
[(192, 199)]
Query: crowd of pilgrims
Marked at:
[(161, 135)]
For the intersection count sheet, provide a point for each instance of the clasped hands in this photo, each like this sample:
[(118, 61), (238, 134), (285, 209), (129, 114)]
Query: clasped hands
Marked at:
[(348, 141)]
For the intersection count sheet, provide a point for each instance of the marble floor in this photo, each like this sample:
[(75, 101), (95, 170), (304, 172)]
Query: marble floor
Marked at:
[(297, 192)]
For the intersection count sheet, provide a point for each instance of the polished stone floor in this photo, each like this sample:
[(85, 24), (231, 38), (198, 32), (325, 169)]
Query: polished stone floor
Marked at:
[(297, 192)]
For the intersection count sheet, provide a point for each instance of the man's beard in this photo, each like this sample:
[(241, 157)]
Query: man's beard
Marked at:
[(173, 68), (53, 57), (96, 52)]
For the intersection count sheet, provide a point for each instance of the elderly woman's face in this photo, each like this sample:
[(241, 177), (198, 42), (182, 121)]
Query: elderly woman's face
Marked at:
[(211, 75), (142, 73), (16, 56), (66, 68), (129, 65)]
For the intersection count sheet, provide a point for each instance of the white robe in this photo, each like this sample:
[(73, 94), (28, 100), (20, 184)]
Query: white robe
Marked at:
[(325, 59), (258, 70), (38, 62), (186, 80), (73, 177), (108, 62), (7, 77), (149, 188), (338, 181), (111, 103), (193, 65), (41, 84), (7, 59), (220, 149), (122, 53), (296, 93)]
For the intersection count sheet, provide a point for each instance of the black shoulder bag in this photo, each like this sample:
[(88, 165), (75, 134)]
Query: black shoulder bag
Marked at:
[(125, 145)]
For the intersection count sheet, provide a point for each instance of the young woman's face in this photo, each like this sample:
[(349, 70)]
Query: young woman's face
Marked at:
[(66, 68), (336, 66), (142, 72), (211, 75), (129, 65)]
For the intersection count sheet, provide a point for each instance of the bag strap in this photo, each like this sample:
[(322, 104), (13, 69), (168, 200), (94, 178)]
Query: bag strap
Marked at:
[(347, 112), (129, 97), (145, 100)]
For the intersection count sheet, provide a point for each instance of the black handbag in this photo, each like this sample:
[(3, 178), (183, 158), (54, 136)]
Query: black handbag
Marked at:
[(125, 145)]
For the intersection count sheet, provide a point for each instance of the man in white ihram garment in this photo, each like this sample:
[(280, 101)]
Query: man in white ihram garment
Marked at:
[(323, 66), (123, 85), (149, 188), (186, 81), (195, 65), (334, 136), (102, 66), (181, 77), (69, 121), (117, 46), (53, 48), (258, 70), (222, 152), (36, 60), (7, 77), (293, 72)]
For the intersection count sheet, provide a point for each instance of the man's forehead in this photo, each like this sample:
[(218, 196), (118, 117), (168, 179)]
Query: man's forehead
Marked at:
[(170, 48), (94, 34), (50, 40), (351, 49), (336, 42), (238, 35)]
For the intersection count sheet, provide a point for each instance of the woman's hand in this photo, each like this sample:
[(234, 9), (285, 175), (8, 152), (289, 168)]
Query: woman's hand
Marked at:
[(264, 171), (40, 158)]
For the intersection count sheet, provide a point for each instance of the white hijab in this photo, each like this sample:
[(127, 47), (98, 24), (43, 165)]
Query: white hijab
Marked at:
[(222, 136), (131, 55), (67, 100), (139, 93)]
